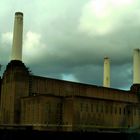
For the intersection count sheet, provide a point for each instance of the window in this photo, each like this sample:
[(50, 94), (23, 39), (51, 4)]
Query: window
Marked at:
[(86, 107), (134, 111), (124, 111), (128, 111), (101, 108), (81, 107), (115, 110), (91, 107), (97, 109), (120, 111), (48, 107), (106, 109), (111, 110), (139, 112)]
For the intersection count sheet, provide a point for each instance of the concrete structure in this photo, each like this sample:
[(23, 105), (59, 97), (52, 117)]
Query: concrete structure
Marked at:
[(106, 78), (15, 84), (17, 37), (136, 66), (57, 105)]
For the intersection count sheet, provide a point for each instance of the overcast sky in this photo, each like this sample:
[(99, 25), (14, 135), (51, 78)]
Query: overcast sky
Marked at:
[(68, 39)]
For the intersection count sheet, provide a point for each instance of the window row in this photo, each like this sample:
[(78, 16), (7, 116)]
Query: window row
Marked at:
[(108, 109)]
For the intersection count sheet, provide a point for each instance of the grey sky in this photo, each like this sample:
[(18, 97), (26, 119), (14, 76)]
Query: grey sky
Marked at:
[(68, 39)]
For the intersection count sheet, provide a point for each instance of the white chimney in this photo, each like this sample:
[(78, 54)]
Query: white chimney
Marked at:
[(17, 37), (106, 78), (136, 66)]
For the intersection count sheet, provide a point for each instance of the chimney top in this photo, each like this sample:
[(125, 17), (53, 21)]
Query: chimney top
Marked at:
[(19, 13), (137, 49), (106, 57)]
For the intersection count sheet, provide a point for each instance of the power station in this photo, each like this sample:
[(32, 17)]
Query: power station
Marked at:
[(57, 105)]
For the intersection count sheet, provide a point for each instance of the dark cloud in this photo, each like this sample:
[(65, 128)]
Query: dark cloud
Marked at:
[(67, 38)]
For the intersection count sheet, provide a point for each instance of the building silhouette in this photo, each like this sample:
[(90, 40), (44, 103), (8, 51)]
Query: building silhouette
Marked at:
[(57, 105)]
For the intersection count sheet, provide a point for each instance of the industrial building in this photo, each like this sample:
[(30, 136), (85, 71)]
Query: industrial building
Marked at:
[(58, 105)]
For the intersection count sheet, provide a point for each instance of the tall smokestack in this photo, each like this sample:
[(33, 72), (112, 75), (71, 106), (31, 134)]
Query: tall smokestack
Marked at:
[(106, 79), (136, 66), (17, 37)]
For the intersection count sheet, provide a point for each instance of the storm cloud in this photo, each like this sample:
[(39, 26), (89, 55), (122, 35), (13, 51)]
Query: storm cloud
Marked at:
[(69, 39)]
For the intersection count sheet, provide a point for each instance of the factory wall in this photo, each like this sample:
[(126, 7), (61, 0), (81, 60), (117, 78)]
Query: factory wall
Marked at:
[(42, 111), (103, 113), (42, 85), (78, 113)]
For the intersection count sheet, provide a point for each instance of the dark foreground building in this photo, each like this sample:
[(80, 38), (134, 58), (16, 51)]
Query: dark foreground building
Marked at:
[(40, 103)]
